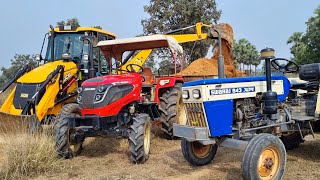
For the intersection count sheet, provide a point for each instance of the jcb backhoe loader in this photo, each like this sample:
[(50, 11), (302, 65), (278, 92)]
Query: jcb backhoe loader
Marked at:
[(38, 94)]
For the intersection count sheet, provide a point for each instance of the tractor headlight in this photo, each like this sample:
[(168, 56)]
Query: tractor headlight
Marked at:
[(79, 98), (102, 88), (196, 94), (98, 97), (185, 94), (80, 89)]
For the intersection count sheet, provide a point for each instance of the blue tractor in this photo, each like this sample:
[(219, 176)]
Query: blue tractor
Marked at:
[(263, 116)]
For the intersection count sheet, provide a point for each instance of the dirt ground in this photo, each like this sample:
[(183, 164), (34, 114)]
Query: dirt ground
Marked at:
[(108, 159)]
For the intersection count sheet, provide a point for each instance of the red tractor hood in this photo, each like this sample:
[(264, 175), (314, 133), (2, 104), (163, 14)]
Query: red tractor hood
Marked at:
[(131, 78), (107, 95)]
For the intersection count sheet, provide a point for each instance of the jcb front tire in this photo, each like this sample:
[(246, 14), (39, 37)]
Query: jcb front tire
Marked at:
[(198, 154), (64, 146), (140, 138), (264, 158), (171, 109)]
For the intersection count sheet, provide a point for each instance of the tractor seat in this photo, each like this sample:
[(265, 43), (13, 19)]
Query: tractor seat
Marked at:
[(297, 83), (148, 77)]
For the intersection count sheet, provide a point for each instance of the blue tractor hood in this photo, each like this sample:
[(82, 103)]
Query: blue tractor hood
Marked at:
[(286, 82)]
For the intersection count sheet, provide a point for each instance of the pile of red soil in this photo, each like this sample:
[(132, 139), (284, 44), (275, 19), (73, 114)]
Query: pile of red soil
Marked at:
[(205, 67)]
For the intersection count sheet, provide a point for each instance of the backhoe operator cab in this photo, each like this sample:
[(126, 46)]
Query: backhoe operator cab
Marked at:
[(120, 104), (78, 44), (39, 93)]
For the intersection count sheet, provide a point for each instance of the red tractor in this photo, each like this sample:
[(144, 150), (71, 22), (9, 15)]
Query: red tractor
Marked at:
[(122, 103)]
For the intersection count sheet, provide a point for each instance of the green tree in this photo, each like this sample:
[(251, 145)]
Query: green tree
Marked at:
[(69, 22), (18, 61), (298, 47), (98, 27), (255, 63), (245, 53), (151, 63), (306, 46), (173, 14), (73, 22)]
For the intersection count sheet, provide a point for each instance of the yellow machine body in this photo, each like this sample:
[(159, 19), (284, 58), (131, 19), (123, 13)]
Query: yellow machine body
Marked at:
[(49, 102)]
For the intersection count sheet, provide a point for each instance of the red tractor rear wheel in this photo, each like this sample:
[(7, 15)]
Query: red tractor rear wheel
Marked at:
[(171, 109)]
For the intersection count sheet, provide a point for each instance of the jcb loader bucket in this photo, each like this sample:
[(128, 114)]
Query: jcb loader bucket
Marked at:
[(18, 123)]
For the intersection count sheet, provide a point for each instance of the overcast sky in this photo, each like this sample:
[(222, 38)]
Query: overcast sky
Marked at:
[(264, 23)]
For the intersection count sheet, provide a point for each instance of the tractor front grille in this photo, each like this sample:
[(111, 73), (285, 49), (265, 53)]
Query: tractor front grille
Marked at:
[(195, 115)]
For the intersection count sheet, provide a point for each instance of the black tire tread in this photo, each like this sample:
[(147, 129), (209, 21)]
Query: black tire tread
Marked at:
[(136, 139), (61, 130), (191, 157), (252, 153), (168, 109), (292, 141)]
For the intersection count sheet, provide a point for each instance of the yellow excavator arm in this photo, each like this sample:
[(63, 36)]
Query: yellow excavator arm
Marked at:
[(141, 57)]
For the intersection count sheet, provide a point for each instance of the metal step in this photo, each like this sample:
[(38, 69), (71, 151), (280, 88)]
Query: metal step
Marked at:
[(303, 118)]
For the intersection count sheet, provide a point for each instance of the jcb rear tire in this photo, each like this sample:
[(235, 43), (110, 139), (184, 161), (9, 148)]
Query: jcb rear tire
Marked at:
[(264, 158), (171, 110), (292, 141), (64, 147), (140, 138), (196, 153)]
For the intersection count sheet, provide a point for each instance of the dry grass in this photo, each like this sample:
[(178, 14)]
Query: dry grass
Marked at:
[(24, 154), (105, 158), (5, 94)]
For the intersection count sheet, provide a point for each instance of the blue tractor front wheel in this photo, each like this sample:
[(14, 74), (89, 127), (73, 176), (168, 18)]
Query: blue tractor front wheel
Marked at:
[(198, 154), (264, 158)]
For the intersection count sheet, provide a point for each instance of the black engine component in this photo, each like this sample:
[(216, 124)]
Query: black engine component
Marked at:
[(304, 105), (245, 109), (310, 72), (269, 102)]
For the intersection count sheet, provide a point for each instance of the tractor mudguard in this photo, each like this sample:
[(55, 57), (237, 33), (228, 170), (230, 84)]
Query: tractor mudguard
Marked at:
[(166, 82)]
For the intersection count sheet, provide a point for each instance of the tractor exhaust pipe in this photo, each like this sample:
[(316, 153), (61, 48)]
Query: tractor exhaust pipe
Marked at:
[(220, 57), (52, 43)]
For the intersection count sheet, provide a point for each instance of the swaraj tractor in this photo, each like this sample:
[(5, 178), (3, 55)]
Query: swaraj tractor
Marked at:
[(120, 104), (39, 93), (260, 115)]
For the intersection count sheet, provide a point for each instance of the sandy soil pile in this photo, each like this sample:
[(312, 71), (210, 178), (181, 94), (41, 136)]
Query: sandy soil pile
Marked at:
[(209, 67)]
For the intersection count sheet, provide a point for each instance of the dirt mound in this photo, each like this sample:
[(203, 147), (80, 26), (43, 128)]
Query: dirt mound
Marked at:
[(205, 67)]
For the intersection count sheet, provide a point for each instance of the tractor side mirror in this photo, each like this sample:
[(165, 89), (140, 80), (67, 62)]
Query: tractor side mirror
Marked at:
[(38, 57), (85, 49), (66, 56)]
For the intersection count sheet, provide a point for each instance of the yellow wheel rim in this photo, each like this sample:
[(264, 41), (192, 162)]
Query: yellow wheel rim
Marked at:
[(200, 150), (269, 163), (147, 138), (75, 147), (182, 115)]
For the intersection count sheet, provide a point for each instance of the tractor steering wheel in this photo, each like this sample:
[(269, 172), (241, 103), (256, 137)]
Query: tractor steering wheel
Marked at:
[(140, 70), (286, 67)]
